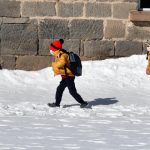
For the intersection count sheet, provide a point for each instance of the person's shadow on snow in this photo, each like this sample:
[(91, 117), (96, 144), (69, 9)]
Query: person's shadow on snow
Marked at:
[(103, 101), (98, 101)]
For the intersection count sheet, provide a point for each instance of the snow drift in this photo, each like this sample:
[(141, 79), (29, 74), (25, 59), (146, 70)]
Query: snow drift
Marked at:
[(117, 90)]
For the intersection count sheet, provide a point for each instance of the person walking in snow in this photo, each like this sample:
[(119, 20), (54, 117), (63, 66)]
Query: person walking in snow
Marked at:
[(60, 66)]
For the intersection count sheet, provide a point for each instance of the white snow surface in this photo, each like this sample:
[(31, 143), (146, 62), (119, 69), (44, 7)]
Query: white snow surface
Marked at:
[(118, 91)]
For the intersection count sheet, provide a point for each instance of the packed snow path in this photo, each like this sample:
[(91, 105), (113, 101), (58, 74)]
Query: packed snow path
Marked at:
[(117, 90)]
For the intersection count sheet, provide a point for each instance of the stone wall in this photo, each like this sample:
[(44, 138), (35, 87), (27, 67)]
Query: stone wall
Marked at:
[(95, 29)]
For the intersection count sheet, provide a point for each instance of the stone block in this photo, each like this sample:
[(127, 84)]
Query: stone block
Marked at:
[(70, 9), (0, 36), (19, 39), (144, 48), (138, 30), (0, 63), (116, 0), (114, 29), (0, 43), (7, 20), (53, 29), (32, 62), (132, 1), (98, 10), (127, 48), (136, 15), (9, 8), (86, 29), (1, 21), (122, 10), (103, 0), (72, 45), (98, 49), (44, 46), (8, 62), (33, 9)]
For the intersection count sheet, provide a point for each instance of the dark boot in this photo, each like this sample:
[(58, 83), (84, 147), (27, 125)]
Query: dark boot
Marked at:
[(53, 105), (84, 105)]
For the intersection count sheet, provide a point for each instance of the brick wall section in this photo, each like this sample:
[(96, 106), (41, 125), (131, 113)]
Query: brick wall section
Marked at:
[(98, 49), (0, 21), (123, 48), (94, 29), (70, 9), (121, 10), (33, 9), (86, 29), (19, 39), (32, 62), (10, 8), (114, 29), (98, 10), (0, 33), (139, 31), (8, 62), (53, 29)]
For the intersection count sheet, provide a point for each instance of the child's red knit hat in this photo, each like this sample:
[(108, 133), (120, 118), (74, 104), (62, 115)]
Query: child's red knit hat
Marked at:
[(56, 45)]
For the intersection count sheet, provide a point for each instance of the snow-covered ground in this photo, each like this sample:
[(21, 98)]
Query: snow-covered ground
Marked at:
[(117, 89)]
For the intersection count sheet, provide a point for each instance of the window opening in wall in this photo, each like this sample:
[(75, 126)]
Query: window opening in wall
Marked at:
[(144, 5)]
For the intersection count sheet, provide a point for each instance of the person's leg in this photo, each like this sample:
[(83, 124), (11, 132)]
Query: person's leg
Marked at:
[(72, 89), (59, 92)]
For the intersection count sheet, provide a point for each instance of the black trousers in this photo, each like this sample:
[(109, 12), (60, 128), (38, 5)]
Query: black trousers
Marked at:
[(68, 82)]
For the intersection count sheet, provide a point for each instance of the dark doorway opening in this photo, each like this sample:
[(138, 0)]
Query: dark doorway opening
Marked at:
[(144, 5)]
